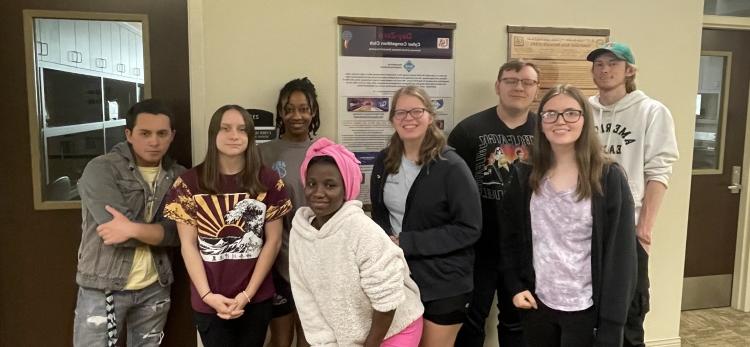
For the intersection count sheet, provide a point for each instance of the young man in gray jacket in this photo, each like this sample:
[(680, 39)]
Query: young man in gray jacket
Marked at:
[(124, 273)]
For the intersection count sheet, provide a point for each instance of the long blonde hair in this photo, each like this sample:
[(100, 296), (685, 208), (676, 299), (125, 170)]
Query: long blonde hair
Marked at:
[(590, 158), (433, 143)]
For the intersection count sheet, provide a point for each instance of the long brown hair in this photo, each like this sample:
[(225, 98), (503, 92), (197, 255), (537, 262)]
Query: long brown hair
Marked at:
[(209, 177), (590, 158), (434, 140)]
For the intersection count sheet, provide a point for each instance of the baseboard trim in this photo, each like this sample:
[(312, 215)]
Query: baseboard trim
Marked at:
[(672, 342)]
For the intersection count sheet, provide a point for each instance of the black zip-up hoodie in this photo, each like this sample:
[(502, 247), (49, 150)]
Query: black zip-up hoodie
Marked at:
[(442, 221), (613, 248)]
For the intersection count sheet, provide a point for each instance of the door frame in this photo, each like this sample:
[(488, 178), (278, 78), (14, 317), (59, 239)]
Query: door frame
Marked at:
[(741, 279)]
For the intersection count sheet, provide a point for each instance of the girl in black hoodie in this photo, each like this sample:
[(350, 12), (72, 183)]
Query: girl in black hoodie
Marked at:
[(568, 232), (424, 196)]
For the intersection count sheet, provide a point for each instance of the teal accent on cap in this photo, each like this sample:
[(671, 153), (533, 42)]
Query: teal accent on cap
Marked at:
[(620, 50)]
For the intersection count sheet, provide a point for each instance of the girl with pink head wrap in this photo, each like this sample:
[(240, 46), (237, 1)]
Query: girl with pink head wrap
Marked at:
[(351, 284), (345, 160)]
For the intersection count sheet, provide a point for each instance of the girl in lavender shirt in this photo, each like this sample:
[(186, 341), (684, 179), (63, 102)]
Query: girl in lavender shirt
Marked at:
[(568, 232)]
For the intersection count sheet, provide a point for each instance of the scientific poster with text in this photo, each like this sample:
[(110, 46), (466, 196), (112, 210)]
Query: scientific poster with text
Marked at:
[(375, 61)]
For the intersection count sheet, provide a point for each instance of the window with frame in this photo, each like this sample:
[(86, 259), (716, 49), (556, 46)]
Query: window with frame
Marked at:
[(84, 71)]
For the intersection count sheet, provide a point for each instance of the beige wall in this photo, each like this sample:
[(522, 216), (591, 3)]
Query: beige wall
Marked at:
[(244, 51)]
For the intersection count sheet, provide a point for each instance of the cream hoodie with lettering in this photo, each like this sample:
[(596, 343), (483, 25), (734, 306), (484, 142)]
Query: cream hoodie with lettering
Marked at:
[(639, 133)]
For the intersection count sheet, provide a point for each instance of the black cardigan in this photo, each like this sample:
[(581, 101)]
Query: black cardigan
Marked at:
[(442, 221), (613, 248)]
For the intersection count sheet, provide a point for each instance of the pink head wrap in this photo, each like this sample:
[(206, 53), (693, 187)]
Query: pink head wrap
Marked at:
[(345, 160)]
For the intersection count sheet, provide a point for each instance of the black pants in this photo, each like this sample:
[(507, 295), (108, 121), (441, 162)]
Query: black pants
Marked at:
[(248, 330), (487, 280), (640, 304), (547, 327)]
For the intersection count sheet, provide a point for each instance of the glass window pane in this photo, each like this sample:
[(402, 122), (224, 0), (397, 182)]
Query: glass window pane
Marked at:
[(67, 155), (114, 135), (88, 74), (734, 8), (120, 96), (708, 113), (71, 98)]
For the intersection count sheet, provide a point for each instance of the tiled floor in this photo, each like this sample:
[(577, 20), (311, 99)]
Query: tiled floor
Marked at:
[(716, 327)]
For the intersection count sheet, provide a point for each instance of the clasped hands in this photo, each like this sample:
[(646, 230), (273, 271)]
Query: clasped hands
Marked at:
[(227, 308)]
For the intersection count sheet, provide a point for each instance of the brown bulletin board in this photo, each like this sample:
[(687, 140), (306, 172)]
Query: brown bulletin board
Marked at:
[(559, 53)]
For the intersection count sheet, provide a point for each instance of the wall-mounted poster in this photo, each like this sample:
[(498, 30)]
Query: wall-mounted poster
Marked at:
[(559, 53), (377, 57)]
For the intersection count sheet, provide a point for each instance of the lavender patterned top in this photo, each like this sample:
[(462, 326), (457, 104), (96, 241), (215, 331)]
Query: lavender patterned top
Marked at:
[(561, 238)]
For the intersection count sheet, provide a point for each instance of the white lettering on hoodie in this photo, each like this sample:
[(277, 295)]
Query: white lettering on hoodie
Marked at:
[(639, 133)]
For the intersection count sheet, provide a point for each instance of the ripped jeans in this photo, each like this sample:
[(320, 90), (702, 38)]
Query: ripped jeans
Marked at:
[(143, 312)]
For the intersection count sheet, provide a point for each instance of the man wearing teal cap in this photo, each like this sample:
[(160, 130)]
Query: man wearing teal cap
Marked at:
[(639, 133), (620, 50)]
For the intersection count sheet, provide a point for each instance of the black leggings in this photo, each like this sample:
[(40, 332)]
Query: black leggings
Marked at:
[(546, 327), (248, 330)]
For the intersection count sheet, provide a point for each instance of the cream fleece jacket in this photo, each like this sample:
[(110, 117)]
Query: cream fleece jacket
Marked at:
[(344, 271)]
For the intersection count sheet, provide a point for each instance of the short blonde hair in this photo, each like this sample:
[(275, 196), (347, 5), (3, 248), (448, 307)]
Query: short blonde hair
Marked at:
[(630, 80)]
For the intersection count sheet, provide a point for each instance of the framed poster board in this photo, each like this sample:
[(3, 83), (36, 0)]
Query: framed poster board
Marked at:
[(559, 53)]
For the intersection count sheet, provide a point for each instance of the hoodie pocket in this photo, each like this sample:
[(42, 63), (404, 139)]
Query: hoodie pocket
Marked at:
[(452, 267)]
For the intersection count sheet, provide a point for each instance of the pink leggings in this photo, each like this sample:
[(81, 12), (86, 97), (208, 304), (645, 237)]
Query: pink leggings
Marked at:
[(409, 337)]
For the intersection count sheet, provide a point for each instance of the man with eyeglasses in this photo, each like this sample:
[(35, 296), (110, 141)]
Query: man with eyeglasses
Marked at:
[(639, 133), (489, 141)]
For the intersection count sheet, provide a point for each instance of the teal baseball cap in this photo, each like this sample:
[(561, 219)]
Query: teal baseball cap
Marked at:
[(620, 50)]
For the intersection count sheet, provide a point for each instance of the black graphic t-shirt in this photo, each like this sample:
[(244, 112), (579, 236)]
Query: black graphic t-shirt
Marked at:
[(489, 148)]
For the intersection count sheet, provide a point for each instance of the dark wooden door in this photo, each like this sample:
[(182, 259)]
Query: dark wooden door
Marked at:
[(712, 225), (38, 248)]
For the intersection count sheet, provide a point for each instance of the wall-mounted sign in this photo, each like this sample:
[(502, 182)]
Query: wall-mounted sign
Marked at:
[(559, 53), (264, 128), (377, 57)]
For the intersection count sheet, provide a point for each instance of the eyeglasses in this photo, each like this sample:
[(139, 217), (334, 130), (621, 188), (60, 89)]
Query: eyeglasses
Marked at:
[(569, 116), (415, 113), (512, 82), (301, 110)]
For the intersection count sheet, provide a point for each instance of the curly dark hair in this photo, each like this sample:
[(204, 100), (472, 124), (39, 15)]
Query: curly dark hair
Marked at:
[(306, 87)]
